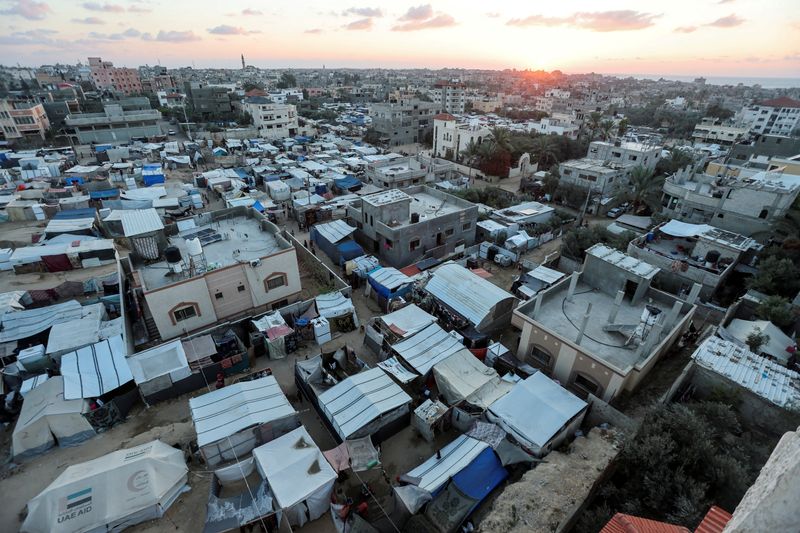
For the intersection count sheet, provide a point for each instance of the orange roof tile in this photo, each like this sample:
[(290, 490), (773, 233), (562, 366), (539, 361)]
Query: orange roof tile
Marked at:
[(625, 523), (715, 521)]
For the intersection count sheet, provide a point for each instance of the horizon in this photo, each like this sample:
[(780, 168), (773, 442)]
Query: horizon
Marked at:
[(625, 38)]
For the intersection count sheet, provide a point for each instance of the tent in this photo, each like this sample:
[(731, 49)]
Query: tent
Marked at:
[(427, 347), (779, 346), (462, 377), (333, 239), (300, 477), (110, 493), (159, 368), (96, 369), (336, 305), (152, 175), (434, 473), (47, 419), (348, 183), (389, 282), (407, 321), (230, 422), (364, 404), (539, 413)]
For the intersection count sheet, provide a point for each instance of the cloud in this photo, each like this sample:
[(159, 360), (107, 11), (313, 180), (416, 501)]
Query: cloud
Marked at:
[(138, 9), (89, 20), (361, 24), (38, 37), (248, 12), (224, 29), (440, 21), (314, 31), (28, 9), (105, 8), (725, 1), (685, 29), (364, 11), (600, 21), (793, 57), (730, 21), (171, 36), (418, 13), (493, 15), (131, 32)]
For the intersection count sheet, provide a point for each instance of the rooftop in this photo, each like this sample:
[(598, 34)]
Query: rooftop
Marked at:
[(386, 197), (225, 242), (783, 101), (623, 261), (599, 166)]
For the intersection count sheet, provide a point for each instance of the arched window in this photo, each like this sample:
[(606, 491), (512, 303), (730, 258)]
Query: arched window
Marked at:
[(540, 358)]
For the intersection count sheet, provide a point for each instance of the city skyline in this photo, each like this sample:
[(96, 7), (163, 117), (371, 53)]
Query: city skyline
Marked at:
[(709, 37)]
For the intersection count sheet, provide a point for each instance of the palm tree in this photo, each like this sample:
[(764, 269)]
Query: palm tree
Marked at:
[(643, 189), (501, 139), (622, 127), (471, 154), (543, 151), (594, 123), (607, 129)]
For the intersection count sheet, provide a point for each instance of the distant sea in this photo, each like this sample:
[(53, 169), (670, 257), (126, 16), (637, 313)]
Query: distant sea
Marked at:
[(767, 83)]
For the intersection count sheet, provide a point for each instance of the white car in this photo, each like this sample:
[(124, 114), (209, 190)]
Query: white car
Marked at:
[(171, 132)]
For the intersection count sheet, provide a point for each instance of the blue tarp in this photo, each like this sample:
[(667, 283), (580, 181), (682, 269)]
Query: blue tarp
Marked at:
[(103, 147), (348, 250), (74, 180), (385, 291), (151, 166), (348, 183), (242, 173), (272, 177), (105, 193), (153, 179), (320, 189), (75, 213), (481, 476), (258, 207)]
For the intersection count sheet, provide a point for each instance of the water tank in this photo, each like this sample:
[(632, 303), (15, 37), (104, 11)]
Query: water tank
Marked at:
[(193, 247), (712, 256), (172, 254), (414, 218)]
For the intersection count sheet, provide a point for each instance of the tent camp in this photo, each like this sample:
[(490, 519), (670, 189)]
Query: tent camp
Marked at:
[(539, 413), (159, 368), (300, 477), (95, 370), (47, 419), (480, 302), (336, 305), (462, 377), (333, 239), (434, 473), (407, 321), (110, 493), (368, 403), (230, 422), (388, 283), (427, 347)]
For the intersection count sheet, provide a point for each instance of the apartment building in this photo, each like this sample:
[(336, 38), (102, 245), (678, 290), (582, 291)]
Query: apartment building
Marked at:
[(712, 131), (596, 174), (209, 101), (274, 121), (779, 116), (106, 76), (556, 124), (451, 136), (403, 122), (625, 153), (402, 227), (20, 119), (402, 172), (450, 96), (115, 124), (170, 99), (745, 202)]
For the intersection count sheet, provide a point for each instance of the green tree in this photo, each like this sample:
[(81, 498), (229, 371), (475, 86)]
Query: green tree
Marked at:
[(471, 154), (595, 118), (756, 339), (643, 189), (501, 139), (777, 310), (287, 80), (776, 276), (543, 151), (606, 130), (622, 127), (676, 160)]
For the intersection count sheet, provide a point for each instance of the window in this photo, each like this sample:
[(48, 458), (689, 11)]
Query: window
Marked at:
[(389, 244), (585, 385), (240, 288), (275, 282), (219, 296), (184, 313), (449, 231), (540, 358), (465, 227), (763, 213), (413, 245)]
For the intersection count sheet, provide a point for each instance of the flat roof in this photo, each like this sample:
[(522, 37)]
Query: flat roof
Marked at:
[(428, 206), (234, 239), (385, 197), (623, 261), (595, 165)]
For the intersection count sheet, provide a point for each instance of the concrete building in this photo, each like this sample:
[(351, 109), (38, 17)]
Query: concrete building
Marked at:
[(106, 76), (625, 153), (209, 101), (170, 99), (403, 121), (402, 227), (241, 266), (20, 119), (274, 121), (114, 124), (601, 176), (451, 136), (689, 254), (601, 330), (758, 152), (486, 106), (450, 96), (403, 172), (556, 124), (712, 131), (779, 116), (742, 202)]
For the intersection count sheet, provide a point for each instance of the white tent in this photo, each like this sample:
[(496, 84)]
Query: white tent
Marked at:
[(110, 493), (539, 413), (96, 369), (408, 320), (463, 377), (777, 346), (158, 368), (362, 404), (335, 305), (428, 347), (47, 419), (300, 477), (453, 458), (226, 420)]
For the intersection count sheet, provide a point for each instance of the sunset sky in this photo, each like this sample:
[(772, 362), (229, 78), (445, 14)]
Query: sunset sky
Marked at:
[(680, 37)]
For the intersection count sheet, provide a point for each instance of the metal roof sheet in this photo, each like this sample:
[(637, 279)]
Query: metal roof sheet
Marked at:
[(140, 221), (623, 261), (335, 231)]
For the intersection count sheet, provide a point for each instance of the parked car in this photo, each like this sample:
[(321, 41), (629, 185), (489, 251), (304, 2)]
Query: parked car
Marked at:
[(614, 213), (171, 132)]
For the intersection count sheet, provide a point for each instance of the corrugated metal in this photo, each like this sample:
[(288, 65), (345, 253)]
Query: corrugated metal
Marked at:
[(389, 277), (428, 347), (766, 378), (625, 523), (335, 231), (715, 521), (140, 221), (466, 293)]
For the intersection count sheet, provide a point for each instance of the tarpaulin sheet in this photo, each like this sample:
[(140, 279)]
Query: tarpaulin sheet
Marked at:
[(96, 369)]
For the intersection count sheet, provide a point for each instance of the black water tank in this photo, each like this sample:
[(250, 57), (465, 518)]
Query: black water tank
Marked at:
[(712, 256), (414, 218), (491, 252), (173, 254)]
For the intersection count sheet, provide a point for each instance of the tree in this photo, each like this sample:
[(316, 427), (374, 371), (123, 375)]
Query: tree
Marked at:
[(776, 276), (287, 80), (471, 154), (607, 130), (677, 160), (756, 339), (543, 151), (643, 189), (622, 127), (776, 309), (717, 111), (595, 118), (250, 85), (501, 138)]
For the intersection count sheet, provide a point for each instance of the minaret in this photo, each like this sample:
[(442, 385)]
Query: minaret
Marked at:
[(243, 62)]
